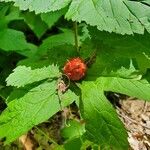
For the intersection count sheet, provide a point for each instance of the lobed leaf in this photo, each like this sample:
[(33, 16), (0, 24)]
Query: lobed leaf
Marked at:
[(102, 123), (40, 6), (146, 2), (23, 75), (131, 87), (34, 107), (120, 16), (117, 55)]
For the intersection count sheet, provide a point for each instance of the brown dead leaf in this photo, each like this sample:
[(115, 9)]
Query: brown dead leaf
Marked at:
[(135, 115), (28, 142)]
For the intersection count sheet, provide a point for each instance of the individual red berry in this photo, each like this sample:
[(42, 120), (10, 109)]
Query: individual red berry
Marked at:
[(75, 69)]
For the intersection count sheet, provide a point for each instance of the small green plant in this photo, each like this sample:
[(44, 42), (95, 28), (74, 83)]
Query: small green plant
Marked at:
[(110, 39)]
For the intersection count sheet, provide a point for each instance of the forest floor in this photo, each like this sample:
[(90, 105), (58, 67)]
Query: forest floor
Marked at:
[(135, 114)]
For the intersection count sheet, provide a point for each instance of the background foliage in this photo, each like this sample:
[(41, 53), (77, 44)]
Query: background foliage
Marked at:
[(37, 37)]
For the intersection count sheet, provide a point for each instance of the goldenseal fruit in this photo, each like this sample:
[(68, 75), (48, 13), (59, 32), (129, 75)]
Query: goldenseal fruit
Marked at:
[(75, 69)]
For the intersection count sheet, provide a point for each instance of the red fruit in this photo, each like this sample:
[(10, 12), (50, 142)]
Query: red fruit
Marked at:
[(75, 69)]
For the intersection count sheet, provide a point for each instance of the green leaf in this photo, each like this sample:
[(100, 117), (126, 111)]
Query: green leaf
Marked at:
[(61, 54), (23, 75), (37, 105), (88, 144), (52, 17), (30, 51), (120, 16), (3, 9), (40, 6), (12, 14), (108, 62), (74, 144), (34, 62), (4, 92), (58, 147), (117, 55), (7, 14), (35, 22), (12, 40), (136, 9), (73, 129), (146, 2), (67, 37), (102, 123), (56, 55), (130, 47), (131, 87)]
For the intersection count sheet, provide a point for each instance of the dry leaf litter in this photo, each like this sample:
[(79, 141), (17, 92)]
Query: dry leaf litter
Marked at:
[(135, 115)]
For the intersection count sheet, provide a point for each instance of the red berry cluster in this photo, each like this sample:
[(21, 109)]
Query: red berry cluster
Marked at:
[(75, 69)]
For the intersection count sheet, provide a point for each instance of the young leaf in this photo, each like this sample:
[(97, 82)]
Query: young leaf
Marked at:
[(36, 106), (23, 75), (131, 87), (40, 6), (102, 124), (118, 16)]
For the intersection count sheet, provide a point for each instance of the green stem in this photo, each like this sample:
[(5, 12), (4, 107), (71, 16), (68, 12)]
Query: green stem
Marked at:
[(76, 36), (50, 139)]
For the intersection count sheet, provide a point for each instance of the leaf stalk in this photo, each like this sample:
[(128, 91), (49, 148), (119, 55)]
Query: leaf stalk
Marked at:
[(76, 36)]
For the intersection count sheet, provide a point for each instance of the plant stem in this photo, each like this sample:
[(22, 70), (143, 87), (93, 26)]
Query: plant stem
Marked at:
[(50, 139), (76, 36)]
